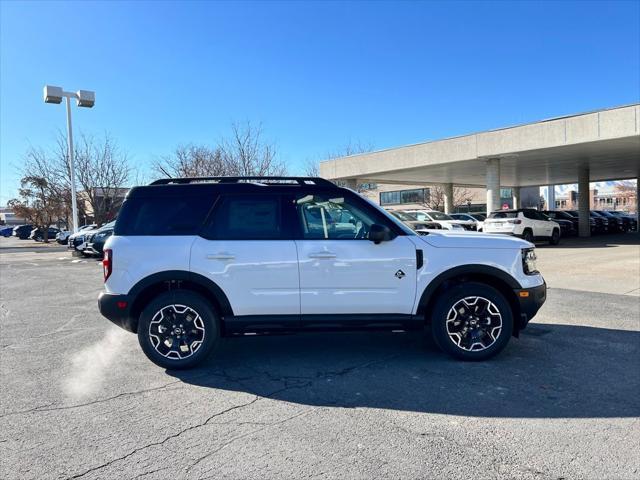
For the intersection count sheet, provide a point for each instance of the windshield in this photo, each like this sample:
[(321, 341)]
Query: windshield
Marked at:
[(503, 215), (404, 216), (439, 216)]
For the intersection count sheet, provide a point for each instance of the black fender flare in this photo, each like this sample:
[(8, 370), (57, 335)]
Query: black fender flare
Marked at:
[(179, 276), (461, 271)]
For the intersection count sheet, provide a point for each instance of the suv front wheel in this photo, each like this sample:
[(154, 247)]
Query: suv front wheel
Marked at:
[(472, 321), (178, 329)]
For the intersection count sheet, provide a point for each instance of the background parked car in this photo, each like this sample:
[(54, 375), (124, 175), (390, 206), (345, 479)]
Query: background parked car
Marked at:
[(37, 234), (633, 222), (567, 228), (96, 241), (472, 221), (599, 225), (63, 236), (22, 231), (616, 223), (6, 231), (526, 223), (411, 222), (445, 221)]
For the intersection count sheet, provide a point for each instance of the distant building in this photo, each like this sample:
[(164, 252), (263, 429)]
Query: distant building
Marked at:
[(409, 197), (598, 200), (7, 217), (107, 201)]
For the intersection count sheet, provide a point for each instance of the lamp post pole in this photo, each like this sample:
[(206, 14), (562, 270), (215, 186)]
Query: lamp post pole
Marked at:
[(72, 170), (85, 98)]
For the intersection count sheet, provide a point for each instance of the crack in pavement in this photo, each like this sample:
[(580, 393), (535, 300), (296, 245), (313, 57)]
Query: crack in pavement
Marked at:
[(166, 439), (257, 398), (43, 408), (232, 440)]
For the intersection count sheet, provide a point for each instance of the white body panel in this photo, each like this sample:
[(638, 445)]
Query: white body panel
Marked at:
[(357, 276), (259, 277), (137, 257), (444, 251)]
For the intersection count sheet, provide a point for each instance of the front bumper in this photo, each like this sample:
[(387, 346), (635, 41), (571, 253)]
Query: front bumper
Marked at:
[(530, 300), (117, 308)]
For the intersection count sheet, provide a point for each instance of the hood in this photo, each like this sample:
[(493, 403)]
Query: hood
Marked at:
[(450, 239)]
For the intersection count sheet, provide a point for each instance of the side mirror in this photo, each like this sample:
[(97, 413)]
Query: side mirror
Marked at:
[(379, 233)]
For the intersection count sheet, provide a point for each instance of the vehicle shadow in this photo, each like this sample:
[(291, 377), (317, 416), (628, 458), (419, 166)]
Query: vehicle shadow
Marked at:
[(596, 241), (552, 371)]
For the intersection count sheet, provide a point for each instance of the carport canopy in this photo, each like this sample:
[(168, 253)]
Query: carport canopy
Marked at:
[(589, 147)]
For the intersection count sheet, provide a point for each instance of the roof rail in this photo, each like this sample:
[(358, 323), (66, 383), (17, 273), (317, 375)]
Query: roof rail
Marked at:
[(264, 180)]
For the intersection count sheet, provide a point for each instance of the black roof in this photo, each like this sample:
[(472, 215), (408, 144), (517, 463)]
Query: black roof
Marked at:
[(196, 186)]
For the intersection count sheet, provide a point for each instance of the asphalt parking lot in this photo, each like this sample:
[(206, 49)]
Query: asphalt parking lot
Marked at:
[(80, 400)]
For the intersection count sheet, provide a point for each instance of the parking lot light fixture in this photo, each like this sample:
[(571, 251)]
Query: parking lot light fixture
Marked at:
[(84, 98)]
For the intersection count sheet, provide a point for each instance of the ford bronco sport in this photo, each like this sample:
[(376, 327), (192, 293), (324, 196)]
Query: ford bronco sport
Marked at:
[(195, 259)]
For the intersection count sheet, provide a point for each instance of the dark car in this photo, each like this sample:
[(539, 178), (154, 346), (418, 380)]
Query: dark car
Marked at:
[(633, 222), (6, 231), (22, 231), (97, 241), (561, 215), (598, 223), (567, 227), (37, 234), (616, 223)]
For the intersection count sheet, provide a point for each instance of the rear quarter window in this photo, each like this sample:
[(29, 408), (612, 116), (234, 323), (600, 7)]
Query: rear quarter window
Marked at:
[(162, 215)]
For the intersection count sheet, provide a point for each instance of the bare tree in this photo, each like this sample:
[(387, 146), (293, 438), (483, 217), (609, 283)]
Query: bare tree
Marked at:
[(102, 170), (436, 199), (191, 161), (312, 168), (246, 153), (39, 203), (243, 153)]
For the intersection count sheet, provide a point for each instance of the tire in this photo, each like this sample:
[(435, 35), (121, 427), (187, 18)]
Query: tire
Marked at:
[(481, 343), (527, 235), (187, 306), (555, 237)]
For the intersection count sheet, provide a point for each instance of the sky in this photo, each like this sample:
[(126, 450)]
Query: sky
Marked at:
[(316, 75)]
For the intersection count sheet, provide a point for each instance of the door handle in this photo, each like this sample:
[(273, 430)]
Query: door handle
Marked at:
[(322, 255), (221, 256)]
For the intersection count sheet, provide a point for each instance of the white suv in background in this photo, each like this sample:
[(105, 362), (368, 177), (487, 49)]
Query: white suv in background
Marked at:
[(193, 260), (445, 221), (526, 223)]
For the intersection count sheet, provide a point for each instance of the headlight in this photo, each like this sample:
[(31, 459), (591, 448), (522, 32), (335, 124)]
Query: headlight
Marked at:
[(529, 261)]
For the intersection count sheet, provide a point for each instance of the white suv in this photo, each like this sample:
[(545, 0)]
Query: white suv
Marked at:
[(526, 223), (193, 260)]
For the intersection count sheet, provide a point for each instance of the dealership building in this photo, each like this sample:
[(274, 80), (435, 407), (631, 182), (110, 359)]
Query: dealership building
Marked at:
[(588, 147)]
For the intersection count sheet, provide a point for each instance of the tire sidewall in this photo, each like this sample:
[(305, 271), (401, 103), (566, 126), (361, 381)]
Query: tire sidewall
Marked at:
[(197, 303), (528, 235), (449, 298), (555, 237)]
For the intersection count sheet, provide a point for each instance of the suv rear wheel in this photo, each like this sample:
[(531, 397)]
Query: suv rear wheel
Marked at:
[(555, 237), (472, 321), (178, 329)]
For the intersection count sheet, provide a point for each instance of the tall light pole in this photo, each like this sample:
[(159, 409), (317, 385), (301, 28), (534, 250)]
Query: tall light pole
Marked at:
[(85, 98)]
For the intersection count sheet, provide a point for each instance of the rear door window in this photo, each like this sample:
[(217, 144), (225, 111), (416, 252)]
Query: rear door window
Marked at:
[(248, 217), (162, 215)]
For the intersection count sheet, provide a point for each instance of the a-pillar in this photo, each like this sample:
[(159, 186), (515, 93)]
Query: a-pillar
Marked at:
[(448, 197), (584, 225), (515, 192), (551, 197), (493, 184)]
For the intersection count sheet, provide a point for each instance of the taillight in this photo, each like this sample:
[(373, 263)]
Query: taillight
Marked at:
[(107, 263), (517, 221)]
